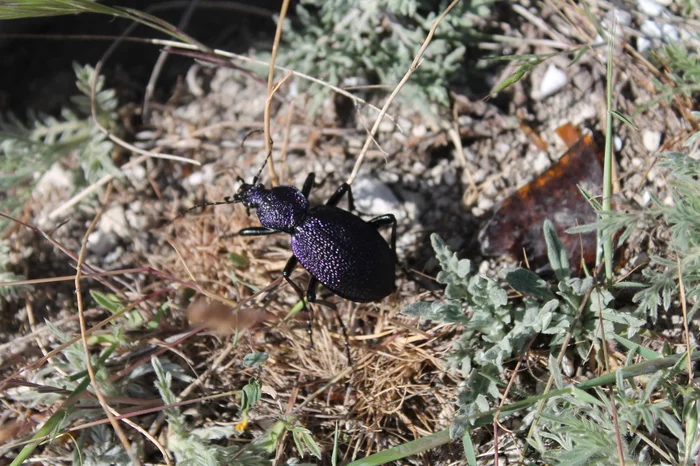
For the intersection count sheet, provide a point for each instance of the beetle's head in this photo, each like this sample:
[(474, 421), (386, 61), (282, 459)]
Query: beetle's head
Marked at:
[(249, 194)]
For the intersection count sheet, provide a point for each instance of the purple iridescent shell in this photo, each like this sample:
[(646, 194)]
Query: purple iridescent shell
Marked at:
[(345, 253)]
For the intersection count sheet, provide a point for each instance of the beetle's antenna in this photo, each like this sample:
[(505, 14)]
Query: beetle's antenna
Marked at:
[(257, 177), (227, 200), (269, 155)]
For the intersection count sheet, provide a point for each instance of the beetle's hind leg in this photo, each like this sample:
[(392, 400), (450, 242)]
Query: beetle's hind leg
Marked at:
[(384, 220), (311, 294), (288, 269)]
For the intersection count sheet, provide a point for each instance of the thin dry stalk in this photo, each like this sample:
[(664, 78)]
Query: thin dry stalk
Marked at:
[(151, 86), (611, 394), (270, 81), (414, 65), (94, 186), (83, 334)]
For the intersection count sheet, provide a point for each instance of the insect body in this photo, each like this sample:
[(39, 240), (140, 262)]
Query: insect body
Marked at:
[(339, 249)]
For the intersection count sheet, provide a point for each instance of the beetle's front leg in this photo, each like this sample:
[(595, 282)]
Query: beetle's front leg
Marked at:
[(338, 195), (308, 184), (288, 269)]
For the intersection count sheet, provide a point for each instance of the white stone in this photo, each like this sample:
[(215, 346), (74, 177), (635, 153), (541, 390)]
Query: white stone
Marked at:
[(204, 176), (643, 44), (375, 198), (650, 7), (623, 17), (114, 221), (541, 163), (485, 203), (56, 178), (101, 243), (650, 29), (670, 33), (553, 81), (651, 140), (617, 142)]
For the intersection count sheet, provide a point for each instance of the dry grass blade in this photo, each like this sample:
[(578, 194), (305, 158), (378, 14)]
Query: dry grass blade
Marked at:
[(270, 83), (83, 334), (414, 65)]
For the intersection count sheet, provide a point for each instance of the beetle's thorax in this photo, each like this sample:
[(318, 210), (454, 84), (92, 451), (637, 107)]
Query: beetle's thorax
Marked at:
[(280, 208)]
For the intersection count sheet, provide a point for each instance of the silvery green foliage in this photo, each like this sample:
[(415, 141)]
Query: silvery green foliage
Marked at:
[(100, 448), (193, 446), (497, 330), (683, 219), (578, 429), (374, 42), (660, 284), (29, 149)]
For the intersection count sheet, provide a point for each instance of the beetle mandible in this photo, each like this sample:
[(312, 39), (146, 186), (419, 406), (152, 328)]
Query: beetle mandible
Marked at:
[(340, 250)]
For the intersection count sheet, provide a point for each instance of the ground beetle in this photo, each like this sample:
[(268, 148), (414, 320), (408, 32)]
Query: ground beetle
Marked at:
[(339, 249)]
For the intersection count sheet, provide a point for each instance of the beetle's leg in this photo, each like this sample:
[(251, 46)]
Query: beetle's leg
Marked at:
[(257, 231), (252, 231), (308, 184), (338, 195), (384, 220), (311, 290), (288, 269), (311, 296)]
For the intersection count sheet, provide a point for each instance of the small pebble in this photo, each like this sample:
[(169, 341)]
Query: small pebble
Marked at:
[(553, 81), (375, 198), (617, 142), (651, 140), (650, 7), (651, 29), (643, 44), (56, 178), (419, 131), (485, 203), (670, 33), (541, 163)]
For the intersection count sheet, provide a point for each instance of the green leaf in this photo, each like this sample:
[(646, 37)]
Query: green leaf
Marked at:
[(691, 429), (108, 301), (529, 283), (623, 119), (251, 394), (581, 52), (645, 352), (558, 258), (255, 359), (469, 452), (586, 397), (238, 260), (516, 76)]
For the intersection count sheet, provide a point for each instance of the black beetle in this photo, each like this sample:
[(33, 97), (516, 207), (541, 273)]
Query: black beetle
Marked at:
[(338, 248)]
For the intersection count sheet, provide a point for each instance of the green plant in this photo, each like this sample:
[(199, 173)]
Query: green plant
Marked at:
[(661, 277), (194, 446), (375, 42), (657, 419), (31, 148), (498, 329)]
